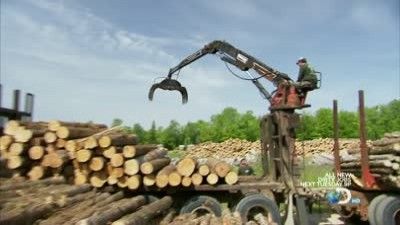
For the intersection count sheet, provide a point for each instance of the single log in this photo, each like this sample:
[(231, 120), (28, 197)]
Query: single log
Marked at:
[(133, 182), (203, 170), (231, 178), (74, 132), (123, 207), (162, 176), (149, 180), (74, 190), (174, 179), (168, 217), (50, 148), (21, 185), (58, 158), (55, 124), (109, 152), (24, 135), (117, 160), (222, 169), (391, 148), (36, 173), (117, 140), (154, 165), (212, 178), (98, 179), (122, 182), (80, 177), (375, 163), (36, 152), (11, 128), (117, 172), (386, 141), (50, 137), (83, 155), (186, 181), (112, 180), (30, 214), (390, 157), (15, 161), (197, 179), (131, 167), (154, 154), (5, 142), (74, 145), (91, 143), (146, 213), (97, 163), (130, 151), (186, 166), (39, 141), (395, 134), (60, 143), (17, 148)]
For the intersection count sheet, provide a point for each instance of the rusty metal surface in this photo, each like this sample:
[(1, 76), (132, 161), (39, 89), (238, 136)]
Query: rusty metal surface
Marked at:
[(367, 178), (336, 138)]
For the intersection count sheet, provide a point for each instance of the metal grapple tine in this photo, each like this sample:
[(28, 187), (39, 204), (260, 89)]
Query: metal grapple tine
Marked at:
[(184, 95), (152, 90)]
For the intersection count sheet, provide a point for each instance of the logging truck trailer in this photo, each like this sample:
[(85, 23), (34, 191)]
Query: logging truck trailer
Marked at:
[(368, 200), (253, 195)]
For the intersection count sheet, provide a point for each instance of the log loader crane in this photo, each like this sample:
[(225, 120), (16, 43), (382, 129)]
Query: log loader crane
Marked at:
[(277, 132)]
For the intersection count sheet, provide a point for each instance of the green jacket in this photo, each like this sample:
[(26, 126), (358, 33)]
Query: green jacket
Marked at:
[(307, 74)]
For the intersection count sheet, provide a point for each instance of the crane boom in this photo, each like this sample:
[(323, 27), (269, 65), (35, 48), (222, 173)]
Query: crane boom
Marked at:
[(236, 57), (284, 97)]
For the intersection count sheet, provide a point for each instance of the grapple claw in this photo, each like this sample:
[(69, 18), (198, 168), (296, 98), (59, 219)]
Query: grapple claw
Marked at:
[(170, 85)]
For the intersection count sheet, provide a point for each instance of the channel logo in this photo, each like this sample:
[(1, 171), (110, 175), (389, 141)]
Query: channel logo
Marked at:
[(341, 196)]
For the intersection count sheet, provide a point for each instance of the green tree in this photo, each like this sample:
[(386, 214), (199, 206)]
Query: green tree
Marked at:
[(116, 122), (306, 130), (140, 132), (171, 136), (324, 125), (191, 133), (348, 124), (152, 136)]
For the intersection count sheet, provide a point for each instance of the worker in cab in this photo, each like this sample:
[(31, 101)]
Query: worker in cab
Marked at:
[(307, 79), (245, 169)]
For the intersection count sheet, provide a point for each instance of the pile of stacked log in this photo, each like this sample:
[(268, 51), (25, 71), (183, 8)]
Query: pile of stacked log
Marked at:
[(384, 160), (37, 149), (91, 153), (238, 149), (325, 145), (52, 201), (190, 172), (230, 148)]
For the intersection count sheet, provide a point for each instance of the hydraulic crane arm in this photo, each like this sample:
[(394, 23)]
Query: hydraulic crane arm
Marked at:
[(231, 55), (236, 57)]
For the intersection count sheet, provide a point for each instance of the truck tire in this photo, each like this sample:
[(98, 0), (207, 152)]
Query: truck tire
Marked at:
[(372, 208), (388, 211), (202, 203), (259, 203)]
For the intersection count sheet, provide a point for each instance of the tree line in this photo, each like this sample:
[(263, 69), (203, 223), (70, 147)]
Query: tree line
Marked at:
[(230, 123)]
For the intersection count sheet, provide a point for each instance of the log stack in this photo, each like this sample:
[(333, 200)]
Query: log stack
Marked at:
[(90, 153), (234, 149), (51, 201), (384, 160)]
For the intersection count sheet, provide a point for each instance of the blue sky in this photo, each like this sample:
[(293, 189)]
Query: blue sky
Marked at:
[(96, 59)]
